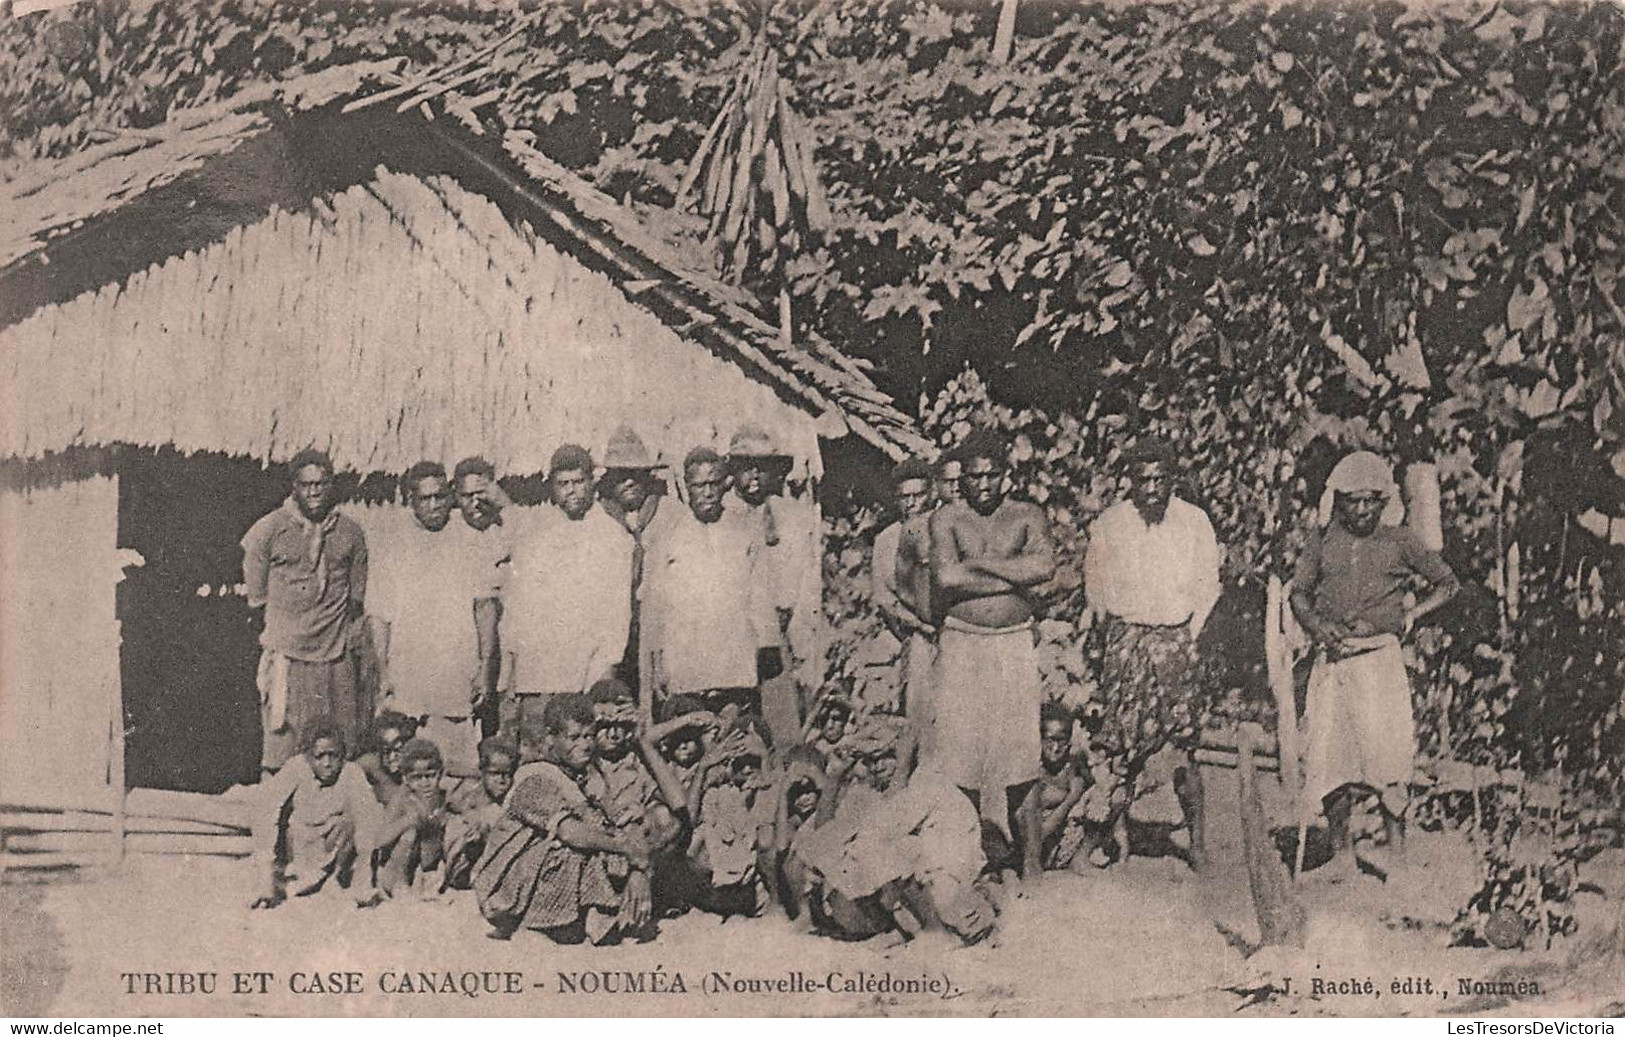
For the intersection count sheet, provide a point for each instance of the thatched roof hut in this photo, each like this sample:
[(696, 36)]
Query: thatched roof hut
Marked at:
[(342, 261)]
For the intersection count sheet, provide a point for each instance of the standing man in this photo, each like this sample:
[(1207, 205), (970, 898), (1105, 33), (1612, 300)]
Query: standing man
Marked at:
[(709, 620), (1350, 595), (790, 563), (1151, 575), (989, 555), (628, 495), (901, 581), (423, 615), (306, 565), (567, 608), (485, 550)]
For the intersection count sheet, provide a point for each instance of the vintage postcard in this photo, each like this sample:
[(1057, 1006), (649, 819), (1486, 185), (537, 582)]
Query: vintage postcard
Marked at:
[(812, 507)]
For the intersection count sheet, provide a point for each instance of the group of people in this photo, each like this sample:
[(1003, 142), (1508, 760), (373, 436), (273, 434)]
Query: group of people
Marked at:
[(594, 717)]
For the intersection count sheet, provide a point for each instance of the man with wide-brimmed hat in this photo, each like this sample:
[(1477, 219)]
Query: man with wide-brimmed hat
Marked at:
[(1350, 595), (1152, 578), (787, 531), (567, 607), (631, 493)]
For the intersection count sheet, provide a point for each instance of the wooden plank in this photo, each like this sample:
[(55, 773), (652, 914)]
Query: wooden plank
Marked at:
[(93, 821), (1281, 918), (60, 842), (25, 862)]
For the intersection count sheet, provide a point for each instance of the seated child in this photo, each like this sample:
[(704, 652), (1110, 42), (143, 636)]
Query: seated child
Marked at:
[(731, 810), (552, 861), (382, 762), (903, 853), (412, 839), (828, 723), (800, 789), (317, 818), (1061, 785), (679, 742), (474, 808), (618, 780)]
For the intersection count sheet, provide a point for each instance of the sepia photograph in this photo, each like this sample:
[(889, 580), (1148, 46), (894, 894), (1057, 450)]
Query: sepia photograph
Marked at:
[(832, 508)]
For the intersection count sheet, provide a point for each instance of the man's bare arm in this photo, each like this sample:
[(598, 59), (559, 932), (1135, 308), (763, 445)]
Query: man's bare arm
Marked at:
[(1036, 562), (951, 573)]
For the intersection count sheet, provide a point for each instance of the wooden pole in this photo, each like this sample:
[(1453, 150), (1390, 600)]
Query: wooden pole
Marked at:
[(1280, 916), (116, 773)]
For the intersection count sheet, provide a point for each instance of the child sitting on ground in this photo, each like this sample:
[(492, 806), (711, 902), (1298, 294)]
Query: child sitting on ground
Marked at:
[(412, 839), (317, 818), (474, 808), (619, 780), (552, 862), (800, 789), (679, 742), (1062, 782), (829, 722), (731, 806), (382, 762)]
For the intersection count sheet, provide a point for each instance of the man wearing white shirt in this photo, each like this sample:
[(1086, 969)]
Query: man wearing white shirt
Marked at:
[(709, 617), (568, 601), (1152, 578), (423, 616)]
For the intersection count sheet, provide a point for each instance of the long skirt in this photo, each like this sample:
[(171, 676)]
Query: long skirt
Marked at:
[(1150, 693), (1361, 731), (985, 696)]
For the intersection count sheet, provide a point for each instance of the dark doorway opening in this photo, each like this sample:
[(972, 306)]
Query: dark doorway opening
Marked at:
[(190, 643)]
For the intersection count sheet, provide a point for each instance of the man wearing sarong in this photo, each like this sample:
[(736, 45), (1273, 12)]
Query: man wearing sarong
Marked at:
[(1350, 595), (568, 601), (989, 554), (789, 564), (708, 615), (628, 495), (422, 608), (1151, 576), (306, 565), (900, 583), (485, 551)]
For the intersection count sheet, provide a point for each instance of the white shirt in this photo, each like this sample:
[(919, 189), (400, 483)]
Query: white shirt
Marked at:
[(705, 608), (567, 608), (423, 584), (1160, 575)]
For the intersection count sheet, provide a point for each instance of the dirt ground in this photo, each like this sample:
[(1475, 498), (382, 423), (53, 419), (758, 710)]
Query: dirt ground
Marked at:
[(1141, 938)]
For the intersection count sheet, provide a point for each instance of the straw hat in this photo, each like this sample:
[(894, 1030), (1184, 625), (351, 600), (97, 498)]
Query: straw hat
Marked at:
[(626, 450), (754, 441)]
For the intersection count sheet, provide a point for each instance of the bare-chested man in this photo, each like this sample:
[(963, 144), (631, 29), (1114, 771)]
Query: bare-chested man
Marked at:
[(988, 557)]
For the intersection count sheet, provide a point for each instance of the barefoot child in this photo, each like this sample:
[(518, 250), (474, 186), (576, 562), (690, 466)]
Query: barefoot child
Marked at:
[(316, 820), (412, 839), (552, 862), (382, 763), (474, 808), (730, 807), (1061, 785), (619, 780)]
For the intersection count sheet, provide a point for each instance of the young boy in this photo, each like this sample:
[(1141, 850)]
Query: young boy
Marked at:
[(801, 789), (472, 810), (382, 763), (679, 743), (829, 723), (413, 834), (618, 780), (316, 820), (552, 861), (730, 809), (1061, 785)]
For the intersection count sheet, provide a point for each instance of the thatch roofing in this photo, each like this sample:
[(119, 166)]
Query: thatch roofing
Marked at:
[(75, 209)]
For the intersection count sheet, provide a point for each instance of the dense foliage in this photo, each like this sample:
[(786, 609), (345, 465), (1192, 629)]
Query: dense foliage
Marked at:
[(1269, 232)]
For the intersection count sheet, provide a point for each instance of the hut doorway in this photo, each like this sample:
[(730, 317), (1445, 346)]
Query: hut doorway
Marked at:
[(190, 646)]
